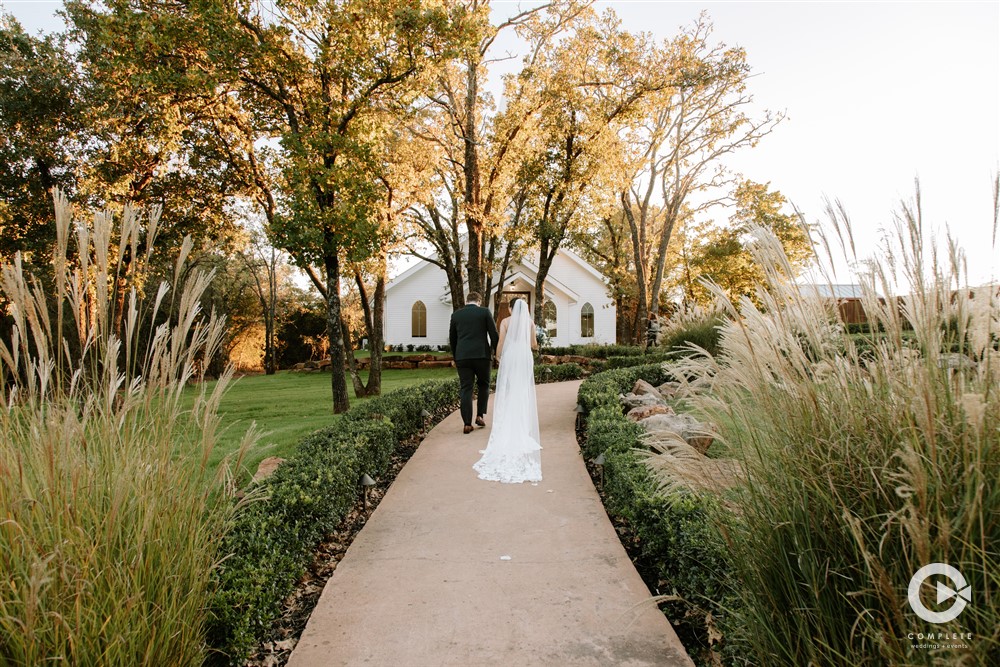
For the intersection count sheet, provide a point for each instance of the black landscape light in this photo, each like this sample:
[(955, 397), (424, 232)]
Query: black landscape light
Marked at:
[(599, 463), (367, 482)]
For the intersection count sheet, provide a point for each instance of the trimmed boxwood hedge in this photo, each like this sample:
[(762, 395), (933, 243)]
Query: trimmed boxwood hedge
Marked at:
[(286, 516), (676, 539), (652, 357), (594, 351), (558, 373)]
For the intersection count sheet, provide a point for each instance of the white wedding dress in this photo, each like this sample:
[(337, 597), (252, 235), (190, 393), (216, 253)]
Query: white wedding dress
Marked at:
[(513, 453)]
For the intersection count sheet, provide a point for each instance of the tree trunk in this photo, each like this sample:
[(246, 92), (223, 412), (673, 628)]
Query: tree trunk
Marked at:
[(270, 363), (488, 274), (637, 258), (377, 339), (360, 391), (473, 214), (270, 353), (503, 276), (338, 383), (546, 253), (453, 269), (673, 211), (374, 319)]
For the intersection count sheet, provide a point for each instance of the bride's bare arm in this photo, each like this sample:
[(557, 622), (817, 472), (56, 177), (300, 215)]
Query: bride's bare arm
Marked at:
[(503, 334)]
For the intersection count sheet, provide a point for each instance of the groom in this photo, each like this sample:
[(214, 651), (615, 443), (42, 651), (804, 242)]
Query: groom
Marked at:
[(473, 354)]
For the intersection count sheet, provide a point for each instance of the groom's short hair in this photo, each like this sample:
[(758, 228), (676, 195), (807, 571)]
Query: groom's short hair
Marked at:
[(473, 297)]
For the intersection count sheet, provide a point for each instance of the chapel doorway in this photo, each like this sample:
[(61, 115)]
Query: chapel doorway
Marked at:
[(502, 302)]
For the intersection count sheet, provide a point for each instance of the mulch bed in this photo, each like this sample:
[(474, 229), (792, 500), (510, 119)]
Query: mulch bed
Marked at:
[(300, 604)]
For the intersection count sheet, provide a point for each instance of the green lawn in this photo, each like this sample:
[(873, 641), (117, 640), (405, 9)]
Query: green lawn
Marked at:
[(288, 406)]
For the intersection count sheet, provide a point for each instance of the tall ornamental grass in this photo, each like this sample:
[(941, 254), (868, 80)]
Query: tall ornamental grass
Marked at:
[(109, 521), (864, 463)]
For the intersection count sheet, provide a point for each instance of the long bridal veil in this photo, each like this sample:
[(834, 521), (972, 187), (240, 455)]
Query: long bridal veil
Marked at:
[(513, 452)]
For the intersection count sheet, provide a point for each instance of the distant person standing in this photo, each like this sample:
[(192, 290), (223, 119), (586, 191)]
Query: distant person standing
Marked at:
[(652, 331)]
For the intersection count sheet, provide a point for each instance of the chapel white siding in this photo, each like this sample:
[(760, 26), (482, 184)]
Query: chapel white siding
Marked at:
[(426, 285), (589, 289)]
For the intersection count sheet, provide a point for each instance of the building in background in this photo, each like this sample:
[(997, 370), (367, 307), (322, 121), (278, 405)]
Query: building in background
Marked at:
[(577, 307)]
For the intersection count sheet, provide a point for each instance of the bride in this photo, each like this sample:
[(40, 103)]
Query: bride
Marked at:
[(513, 453)]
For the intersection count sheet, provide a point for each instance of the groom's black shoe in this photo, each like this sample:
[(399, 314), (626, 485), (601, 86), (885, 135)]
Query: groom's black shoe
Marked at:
[(480, 422), (467, 430)]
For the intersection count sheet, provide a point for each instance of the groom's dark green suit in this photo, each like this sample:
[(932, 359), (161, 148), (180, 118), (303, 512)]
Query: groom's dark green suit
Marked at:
[(473, 336)]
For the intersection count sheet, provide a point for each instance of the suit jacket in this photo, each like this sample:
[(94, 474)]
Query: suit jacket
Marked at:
[(473, 333)]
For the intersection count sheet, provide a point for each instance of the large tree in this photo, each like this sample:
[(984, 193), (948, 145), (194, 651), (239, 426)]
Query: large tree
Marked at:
[(39, 131), (678, 151), (591, 85), (150, 96), (482, 150), (331, 78), (721, 254)]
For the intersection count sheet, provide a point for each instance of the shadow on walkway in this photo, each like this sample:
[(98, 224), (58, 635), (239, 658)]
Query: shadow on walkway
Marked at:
[(453, 570)]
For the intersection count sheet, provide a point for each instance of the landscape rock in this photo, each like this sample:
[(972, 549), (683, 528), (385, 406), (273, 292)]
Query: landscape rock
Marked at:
[(548, 359), (680, 424), (681, 463), (417, 358), (324, 364), (669, 389), (702, 442), (696, 434), (435, 364), (643, 388), (298, 366), (311, 365), (399, 365), (574, 359), (957, 361), (632, 401), (644, 411), (267, 468)]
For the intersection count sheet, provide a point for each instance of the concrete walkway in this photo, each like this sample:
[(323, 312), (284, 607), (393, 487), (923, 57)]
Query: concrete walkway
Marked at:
[(452, 570)]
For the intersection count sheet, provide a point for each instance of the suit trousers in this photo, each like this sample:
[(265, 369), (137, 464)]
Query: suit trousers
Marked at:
[(474, 372)]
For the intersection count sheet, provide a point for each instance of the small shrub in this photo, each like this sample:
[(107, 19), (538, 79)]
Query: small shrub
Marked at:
[(558, 372), (637, 360), (592, 351), (701, 330)]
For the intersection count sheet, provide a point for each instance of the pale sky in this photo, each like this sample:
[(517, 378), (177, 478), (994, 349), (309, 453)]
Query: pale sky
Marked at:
[(877, 94)]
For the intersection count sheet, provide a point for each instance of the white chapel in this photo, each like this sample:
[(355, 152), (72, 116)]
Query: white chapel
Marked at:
[(577, 306)]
